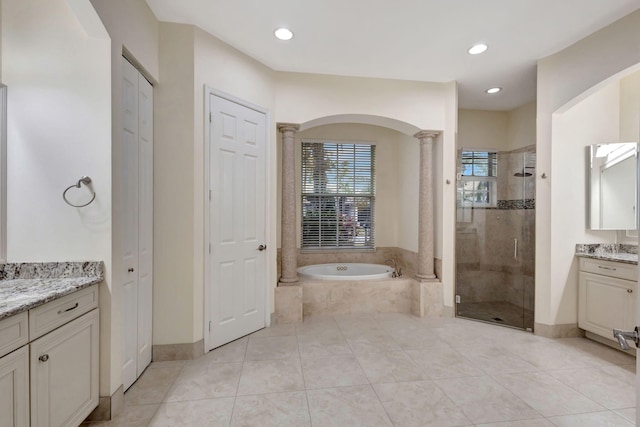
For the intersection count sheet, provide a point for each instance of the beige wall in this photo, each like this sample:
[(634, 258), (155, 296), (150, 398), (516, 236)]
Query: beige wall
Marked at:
[(174, 189), (408, 187), (630, 107), (563, 78), (56, 63), (483, 129), (499, 130), (521, 127)]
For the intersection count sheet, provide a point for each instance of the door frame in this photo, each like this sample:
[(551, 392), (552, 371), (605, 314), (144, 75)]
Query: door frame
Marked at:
[(208, 91)]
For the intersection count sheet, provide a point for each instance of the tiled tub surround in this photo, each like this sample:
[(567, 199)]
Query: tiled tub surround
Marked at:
[(609, 252), (400, 295), (24, 286)]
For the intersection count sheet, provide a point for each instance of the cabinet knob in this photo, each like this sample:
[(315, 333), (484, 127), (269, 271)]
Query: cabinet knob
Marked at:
[(131, 270), (43, 358), (630, 291)]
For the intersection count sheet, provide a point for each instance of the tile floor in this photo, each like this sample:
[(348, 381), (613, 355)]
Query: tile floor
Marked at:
[(389, 370)]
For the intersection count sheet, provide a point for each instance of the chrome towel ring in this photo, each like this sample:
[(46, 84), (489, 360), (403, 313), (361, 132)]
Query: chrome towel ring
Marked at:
[(84, 180)]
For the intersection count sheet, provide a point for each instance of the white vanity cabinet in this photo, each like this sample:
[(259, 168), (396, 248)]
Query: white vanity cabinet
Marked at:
[(606, 296), (64, 374), (49, 362), (64, 359), (14, 388)]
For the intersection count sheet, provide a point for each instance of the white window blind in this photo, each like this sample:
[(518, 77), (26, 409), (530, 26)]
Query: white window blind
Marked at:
[(338, 195), (477, 186)]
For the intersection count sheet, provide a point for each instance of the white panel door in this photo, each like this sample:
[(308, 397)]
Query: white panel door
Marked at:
[(137, 231), (237, 163)]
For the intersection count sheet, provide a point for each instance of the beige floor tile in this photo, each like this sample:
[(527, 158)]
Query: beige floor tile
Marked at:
[(601, 354), (335, 371), (270, 376), (195, 413), (496, 360), (372, 342), (322, 345), (484, 401), (610, 386), (628, 414), (152, 386), (205, 382), (419, 404), (546, 394), (539, 422), (272, 410), (272, 348), (390, 367), (443, 361), (355, 406), (132, 416), (228, 353), (333, 355), (594, 419), (314, 325), (168, 364), (553, 355), (276, 330)]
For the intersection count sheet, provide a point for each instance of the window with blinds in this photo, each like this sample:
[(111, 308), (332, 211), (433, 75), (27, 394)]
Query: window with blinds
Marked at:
[(477, 185), (338, 195)]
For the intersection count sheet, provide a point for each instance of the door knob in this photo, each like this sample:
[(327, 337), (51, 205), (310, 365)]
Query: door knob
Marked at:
[(262, 248)]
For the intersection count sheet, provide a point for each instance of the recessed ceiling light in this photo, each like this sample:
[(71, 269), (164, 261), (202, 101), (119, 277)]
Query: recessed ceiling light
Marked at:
[(478, 48), (494, 90), (283, 34)]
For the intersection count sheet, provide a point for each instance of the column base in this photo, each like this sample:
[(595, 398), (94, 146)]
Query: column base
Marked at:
[(288, 282), (288, 304), (427, 278)]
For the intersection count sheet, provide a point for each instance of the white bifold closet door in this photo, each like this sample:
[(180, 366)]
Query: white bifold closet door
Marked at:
[(137, 221)]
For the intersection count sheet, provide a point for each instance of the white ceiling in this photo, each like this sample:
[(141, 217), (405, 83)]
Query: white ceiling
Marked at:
[(423, 40)]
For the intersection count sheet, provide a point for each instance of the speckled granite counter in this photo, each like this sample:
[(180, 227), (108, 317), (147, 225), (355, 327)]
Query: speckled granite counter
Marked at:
[(609, 252), (24, 286)]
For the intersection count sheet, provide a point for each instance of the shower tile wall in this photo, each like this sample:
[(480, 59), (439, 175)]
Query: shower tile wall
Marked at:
[(486, 270)]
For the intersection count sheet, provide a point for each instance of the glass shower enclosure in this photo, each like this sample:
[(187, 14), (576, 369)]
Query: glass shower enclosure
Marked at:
[(495, 232)]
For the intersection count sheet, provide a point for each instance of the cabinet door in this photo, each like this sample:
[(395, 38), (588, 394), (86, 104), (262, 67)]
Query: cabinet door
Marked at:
[(605, 303), (14, 389), (64, 373)]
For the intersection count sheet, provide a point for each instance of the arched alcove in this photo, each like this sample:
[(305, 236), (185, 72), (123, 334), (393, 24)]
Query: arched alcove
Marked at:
[(365, 119)]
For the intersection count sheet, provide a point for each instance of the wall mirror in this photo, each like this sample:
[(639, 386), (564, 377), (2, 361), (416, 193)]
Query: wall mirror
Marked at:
[(612, 186)]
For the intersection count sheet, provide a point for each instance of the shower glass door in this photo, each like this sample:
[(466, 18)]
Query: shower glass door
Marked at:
[(495, 230)]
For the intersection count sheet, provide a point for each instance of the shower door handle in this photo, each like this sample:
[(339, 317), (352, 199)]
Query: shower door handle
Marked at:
[(515, 248)]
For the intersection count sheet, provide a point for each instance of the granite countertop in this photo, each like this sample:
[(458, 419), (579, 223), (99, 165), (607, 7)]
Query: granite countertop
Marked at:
[(24, 286), (617, 252)]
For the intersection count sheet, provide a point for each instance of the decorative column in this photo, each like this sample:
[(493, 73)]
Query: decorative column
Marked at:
[(289, 265), (425, 207)]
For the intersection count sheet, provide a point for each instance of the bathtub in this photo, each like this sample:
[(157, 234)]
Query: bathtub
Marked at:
[(345, 271)]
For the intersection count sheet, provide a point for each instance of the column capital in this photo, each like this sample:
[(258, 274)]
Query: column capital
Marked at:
[(423, 134), (284, 127)]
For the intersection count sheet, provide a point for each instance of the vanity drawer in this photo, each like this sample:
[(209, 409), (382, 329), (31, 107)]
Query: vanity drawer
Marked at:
[(620, 270), (14, 332), (56, 313)]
